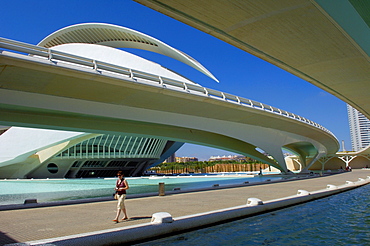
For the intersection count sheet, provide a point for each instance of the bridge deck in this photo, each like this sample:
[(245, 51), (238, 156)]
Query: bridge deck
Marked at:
[(40, 223)]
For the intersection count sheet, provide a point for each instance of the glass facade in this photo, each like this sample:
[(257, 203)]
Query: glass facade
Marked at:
[(115, 146)]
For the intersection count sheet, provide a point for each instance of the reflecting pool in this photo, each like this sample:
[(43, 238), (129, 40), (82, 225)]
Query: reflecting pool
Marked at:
[(47, 190)]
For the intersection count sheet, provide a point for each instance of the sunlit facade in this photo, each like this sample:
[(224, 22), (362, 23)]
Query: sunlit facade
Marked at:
[(360, 129), (40, 153)]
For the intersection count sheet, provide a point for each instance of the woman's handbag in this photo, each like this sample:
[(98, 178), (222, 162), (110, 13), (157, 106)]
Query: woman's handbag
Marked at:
[(115, 195)]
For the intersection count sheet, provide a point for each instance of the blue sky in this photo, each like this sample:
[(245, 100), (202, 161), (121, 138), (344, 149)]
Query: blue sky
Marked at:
[(239, 73)]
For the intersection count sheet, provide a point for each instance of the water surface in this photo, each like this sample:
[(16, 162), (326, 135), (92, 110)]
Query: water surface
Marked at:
[(342, 219), (47, 190)]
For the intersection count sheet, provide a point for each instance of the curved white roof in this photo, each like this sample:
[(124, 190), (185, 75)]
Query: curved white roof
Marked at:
[(119, 58), (18, 143), (118, 37)]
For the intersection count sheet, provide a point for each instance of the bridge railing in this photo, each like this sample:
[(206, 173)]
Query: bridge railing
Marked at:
[(143, 77)]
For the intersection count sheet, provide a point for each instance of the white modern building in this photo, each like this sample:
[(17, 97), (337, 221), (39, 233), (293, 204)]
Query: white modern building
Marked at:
[(359, 127), (40, 153)]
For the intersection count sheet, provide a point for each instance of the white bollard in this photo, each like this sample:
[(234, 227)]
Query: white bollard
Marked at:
[(331, 187), (161, 217), (254, 202), (349, 183), (303, 193), (361, 179)]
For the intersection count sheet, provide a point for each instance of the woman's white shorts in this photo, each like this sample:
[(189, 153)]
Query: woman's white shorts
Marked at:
[(121, 201)]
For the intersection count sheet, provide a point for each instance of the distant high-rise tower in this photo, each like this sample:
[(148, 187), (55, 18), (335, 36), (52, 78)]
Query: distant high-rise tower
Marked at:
[(359, 127)]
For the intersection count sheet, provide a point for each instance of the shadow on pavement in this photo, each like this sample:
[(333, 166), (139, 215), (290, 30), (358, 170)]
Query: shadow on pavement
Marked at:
[(4, 239), (140, 218)]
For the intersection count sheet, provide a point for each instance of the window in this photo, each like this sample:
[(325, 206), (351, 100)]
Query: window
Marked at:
[(52, 168)]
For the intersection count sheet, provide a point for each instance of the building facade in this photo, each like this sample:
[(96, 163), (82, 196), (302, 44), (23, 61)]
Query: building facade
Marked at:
[(185, 159), (359, 127), (228, 158), (41, 153)]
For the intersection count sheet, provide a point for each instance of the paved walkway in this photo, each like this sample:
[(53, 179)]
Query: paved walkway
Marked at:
[(39, 223)]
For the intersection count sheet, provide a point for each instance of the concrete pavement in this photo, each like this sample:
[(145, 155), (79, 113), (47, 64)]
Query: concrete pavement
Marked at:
[(31, 224)]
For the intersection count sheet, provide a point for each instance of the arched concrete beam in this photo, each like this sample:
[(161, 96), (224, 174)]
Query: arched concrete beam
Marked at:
[(74, 122), (271, 140), (36, 87)]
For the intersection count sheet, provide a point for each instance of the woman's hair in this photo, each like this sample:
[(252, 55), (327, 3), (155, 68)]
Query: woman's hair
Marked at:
[(120, 173)]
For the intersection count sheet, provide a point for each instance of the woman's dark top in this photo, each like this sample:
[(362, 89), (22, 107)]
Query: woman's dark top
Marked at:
[(121, 184)]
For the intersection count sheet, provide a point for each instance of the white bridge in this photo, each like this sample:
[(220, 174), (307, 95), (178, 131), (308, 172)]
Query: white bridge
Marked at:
[(45, 88)]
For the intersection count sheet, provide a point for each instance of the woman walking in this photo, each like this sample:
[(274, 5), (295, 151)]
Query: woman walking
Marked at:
[(121, 187)]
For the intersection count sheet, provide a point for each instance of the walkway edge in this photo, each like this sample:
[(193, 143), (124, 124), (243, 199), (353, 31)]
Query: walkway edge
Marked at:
[(147, 231)]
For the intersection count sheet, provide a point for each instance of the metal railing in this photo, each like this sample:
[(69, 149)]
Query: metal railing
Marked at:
[(143, 77)]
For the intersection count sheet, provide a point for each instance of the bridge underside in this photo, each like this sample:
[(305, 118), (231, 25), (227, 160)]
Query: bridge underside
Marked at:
[(323, 42), (23, 116)]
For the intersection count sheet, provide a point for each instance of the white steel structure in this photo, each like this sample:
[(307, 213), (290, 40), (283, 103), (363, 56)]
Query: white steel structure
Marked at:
[(39, 153), (359, 126), (93, 87)]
